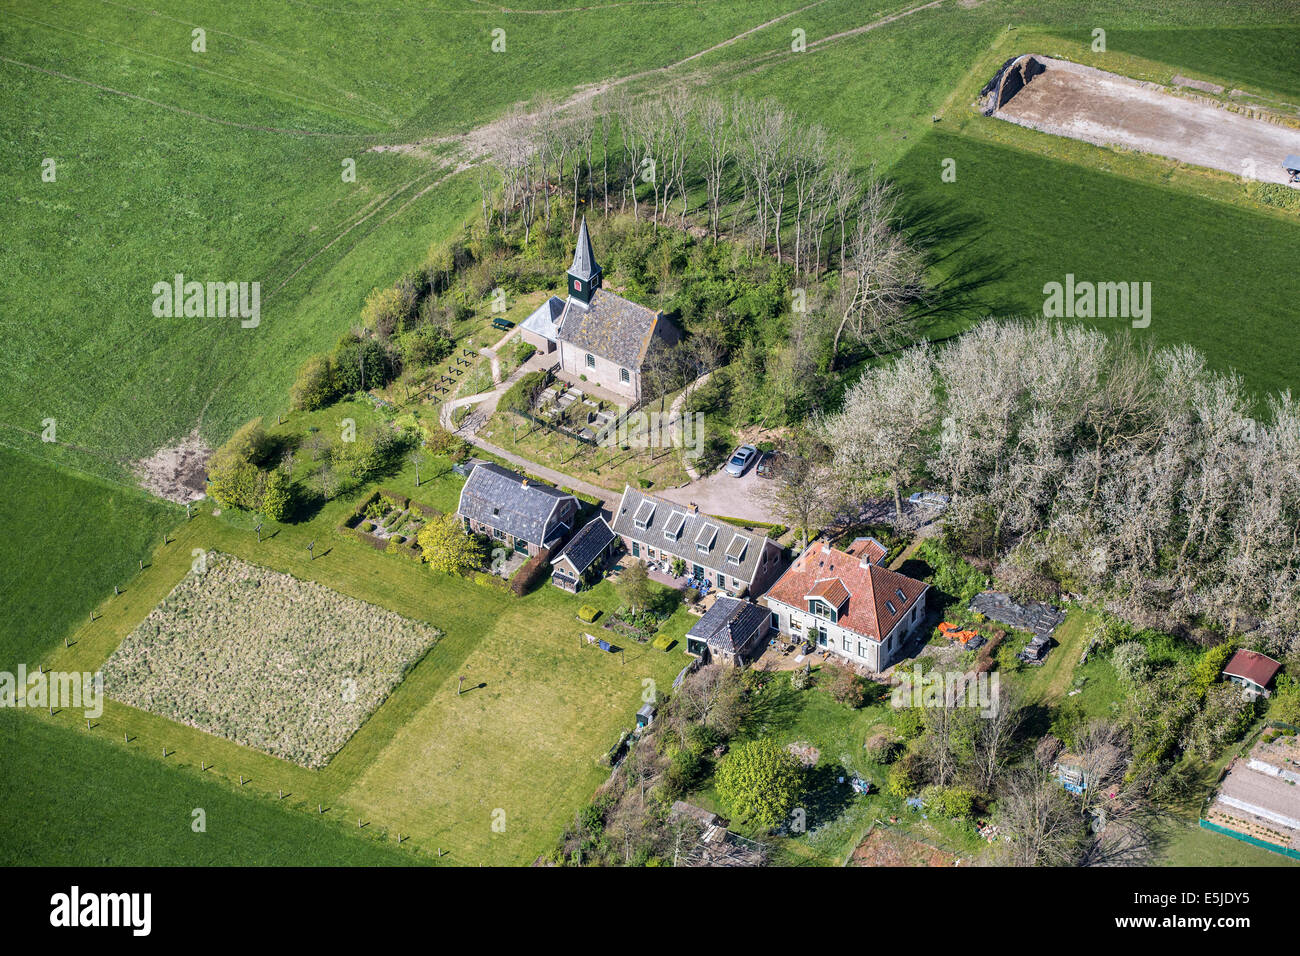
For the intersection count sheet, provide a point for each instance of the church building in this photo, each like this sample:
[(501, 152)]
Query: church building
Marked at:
[(600, 337)]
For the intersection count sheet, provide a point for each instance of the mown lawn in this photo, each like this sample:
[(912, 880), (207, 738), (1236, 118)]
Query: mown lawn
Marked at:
[(1053, 680)]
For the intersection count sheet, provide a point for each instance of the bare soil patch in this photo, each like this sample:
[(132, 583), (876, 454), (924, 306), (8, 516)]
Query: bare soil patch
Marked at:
[(177, 472), (883, 847), (1068, 99)]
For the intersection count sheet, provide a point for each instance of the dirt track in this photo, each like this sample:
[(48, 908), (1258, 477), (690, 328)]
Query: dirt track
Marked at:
[(1089, 104)]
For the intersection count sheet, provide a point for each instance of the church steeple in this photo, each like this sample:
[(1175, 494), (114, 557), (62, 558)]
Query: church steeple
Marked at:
[(584, 274)]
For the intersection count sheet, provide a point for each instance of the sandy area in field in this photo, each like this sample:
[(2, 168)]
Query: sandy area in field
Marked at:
[(177, 472), (1099, 107)]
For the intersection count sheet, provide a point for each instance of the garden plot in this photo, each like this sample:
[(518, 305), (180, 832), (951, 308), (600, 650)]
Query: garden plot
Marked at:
[(1068, 99), (285, 666)]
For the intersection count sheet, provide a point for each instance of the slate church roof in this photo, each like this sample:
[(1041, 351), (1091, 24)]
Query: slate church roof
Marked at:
[(611, 327)]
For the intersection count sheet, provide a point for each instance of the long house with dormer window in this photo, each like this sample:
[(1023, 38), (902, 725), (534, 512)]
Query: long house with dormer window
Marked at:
[(846, 603), (735, 562)]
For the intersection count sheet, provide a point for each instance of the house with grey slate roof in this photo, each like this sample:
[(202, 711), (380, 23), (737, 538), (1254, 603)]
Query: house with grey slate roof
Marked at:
[(733, 561), (730, 632), (597, 335), (579, 562), (530, 517)]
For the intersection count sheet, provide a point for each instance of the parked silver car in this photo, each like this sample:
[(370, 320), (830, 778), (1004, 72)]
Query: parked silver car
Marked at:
[(741, 459)]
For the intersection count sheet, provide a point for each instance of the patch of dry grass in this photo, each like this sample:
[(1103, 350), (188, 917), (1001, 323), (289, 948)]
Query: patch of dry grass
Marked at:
[(285, 666)]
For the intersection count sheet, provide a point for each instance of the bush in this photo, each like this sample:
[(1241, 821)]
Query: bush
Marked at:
[(903, 777), (314, 386), (848, 687), (1276, 195), (663, 642), (588, 614), (521, 396), (425, 346), (1130, 661), (528, 575), (953, 802), (760, 782), (801, 679)]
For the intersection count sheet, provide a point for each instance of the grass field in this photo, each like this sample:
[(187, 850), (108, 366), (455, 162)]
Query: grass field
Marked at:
[(70, 539), (73, 799), (1020, 220)]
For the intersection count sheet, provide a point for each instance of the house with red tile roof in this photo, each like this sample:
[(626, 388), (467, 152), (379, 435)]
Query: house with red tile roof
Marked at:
[(1252, 670), (846, 603)]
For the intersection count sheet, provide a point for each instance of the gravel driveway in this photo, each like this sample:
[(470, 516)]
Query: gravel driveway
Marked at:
[(727, 497)]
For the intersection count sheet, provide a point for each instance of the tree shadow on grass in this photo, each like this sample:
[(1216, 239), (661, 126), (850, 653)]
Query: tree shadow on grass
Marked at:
[(779, 704), (826, 797)]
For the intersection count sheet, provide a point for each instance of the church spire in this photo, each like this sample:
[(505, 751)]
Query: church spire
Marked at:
[(584, 274)]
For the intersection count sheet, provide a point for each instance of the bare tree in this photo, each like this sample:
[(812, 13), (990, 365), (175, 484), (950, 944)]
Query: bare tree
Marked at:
[(884, 429), (1041, 823), (716, 131), (884, 275)]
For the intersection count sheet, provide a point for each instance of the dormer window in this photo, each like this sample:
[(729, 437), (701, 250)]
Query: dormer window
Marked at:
[(643, 515), (673, 529), (704, 540), (822, 609)]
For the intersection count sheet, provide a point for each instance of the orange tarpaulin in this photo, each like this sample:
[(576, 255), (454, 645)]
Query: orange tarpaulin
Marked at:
[(950, 631)]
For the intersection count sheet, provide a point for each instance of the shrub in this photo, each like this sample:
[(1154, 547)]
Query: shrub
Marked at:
[(663, 642), (588, 614), (521, 396), (528, 575), (390, 309), (447, 548), (425, 346), (953, 802), (277, 496), (760, 782), (1276, 195), (1130, 661), (903, 777), (314, 386), (801, 679), (848, 687)]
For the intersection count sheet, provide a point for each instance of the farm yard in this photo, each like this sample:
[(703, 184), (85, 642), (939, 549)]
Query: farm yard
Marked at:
[(296, 686), (482, 722)]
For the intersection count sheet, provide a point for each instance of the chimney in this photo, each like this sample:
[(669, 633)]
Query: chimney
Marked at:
[(695, 509), (524, 483)]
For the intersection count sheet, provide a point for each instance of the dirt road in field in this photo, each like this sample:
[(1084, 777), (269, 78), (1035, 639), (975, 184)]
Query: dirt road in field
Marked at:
[(1080, 102)]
